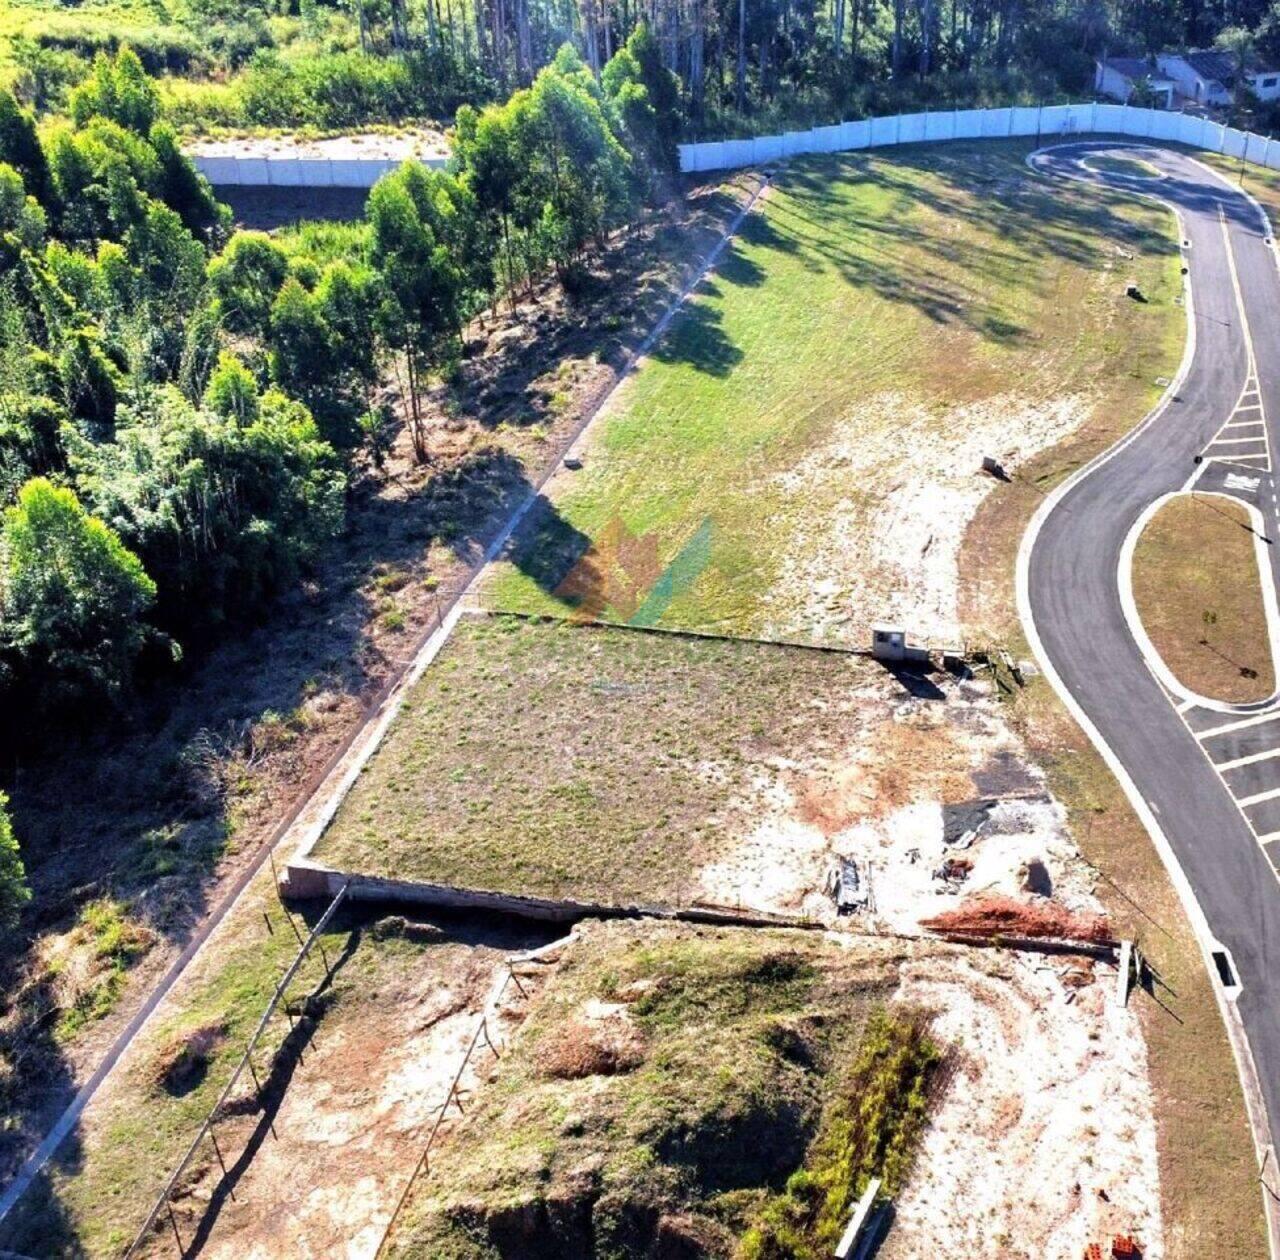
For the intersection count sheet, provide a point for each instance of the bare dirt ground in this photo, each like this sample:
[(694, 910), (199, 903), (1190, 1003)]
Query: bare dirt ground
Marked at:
[(1044, 1140), (932, 795), (904, 491), (319, 1174)]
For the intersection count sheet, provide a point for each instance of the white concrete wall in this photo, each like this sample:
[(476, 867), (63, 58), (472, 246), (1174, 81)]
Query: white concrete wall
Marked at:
[(1110, 82), (1048, 122), (313, 172), (1259, 84)]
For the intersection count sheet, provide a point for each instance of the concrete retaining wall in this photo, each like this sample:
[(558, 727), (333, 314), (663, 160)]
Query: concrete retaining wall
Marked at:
[(1049, 122), (304, 878), (298, 172)]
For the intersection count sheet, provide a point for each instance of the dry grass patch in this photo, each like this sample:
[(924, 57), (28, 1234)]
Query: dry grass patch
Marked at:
[(609, 765), (1197, 586)]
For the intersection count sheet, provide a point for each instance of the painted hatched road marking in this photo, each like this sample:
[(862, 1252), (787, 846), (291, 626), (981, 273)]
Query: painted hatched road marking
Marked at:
[(1238, 481), (1263, 829)]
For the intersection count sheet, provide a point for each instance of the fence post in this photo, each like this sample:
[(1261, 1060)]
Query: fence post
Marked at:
[(181, 1249)]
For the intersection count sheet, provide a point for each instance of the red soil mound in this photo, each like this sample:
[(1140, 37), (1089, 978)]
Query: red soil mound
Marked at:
[(992, 915)]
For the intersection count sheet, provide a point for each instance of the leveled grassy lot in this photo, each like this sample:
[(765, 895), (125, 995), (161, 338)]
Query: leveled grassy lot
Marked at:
[(663, 1085), (1195, 581), (877, 300), (556, 759)]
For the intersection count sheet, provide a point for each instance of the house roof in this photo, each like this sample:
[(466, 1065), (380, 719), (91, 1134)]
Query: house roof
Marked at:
[(1130, 67), (1213, 64)]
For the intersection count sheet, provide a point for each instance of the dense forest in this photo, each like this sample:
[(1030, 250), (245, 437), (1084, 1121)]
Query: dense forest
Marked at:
[(181, 406), (741, 64)]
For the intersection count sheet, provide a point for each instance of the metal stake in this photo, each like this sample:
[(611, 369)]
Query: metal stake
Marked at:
[(222, 1163), (182, 1251)]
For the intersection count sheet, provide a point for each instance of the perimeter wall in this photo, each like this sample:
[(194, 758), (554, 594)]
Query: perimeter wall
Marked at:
[(1048, 122)]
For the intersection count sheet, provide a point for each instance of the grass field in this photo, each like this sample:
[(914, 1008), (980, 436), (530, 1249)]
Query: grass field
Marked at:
[(884, 322), (1196, 584), (603, 764)]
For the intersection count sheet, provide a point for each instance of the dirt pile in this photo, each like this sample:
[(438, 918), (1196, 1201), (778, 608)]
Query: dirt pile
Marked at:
[(994, 916), (602, 1043)]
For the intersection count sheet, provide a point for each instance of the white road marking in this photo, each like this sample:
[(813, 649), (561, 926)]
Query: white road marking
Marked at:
[(1271, 835), (1237, 481), (1226, 727), (1240, 441), (1247, 761), (1269, 795)]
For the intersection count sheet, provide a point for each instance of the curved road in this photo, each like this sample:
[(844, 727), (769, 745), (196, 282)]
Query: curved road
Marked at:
[(1205, 778)]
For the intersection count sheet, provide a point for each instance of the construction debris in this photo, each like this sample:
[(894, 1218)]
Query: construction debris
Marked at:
[(1123, 1247), (954, 870), (847, 888)]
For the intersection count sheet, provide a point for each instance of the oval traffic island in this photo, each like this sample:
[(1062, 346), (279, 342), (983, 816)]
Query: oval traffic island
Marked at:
[(1121, 163), (1199, 595)]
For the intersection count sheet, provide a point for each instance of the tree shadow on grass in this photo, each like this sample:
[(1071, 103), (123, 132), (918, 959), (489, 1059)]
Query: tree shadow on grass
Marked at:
[(698, 339), (1018, 219)]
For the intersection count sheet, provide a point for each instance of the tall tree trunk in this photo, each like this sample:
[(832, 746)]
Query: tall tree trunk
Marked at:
[(899, 15), (837, 29), (696, 67), (524, 42), (742, 56), (589, 35), (925, 12)]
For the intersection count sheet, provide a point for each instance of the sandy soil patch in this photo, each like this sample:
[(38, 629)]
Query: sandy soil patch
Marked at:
[(355, 1114), (931, 797), (1045, 1140), (903, 480)]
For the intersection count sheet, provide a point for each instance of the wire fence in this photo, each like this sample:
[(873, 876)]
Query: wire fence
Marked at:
[(450, 1098), (164, 1202)]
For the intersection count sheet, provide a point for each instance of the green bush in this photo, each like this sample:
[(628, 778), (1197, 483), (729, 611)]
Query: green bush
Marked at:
[(871, 1129)]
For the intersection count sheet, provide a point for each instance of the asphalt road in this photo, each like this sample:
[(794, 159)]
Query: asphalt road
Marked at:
[(1206, 772)]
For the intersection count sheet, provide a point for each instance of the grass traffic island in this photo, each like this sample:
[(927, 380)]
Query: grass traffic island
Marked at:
[(665, 1090), (1197, 587), (606, 765), (1121, 164)]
